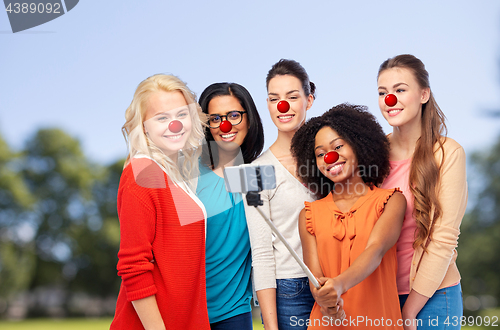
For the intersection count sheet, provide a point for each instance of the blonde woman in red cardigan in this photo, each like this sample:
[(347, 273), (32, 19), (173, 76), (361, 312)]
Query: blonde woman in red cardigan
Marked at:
[(162, 222)]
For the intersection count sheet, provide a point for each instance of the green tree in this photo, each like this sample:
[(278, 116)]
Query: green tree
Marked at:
[(479, 260), (17, 255), (61, 179), (99, 241), (58, 221)]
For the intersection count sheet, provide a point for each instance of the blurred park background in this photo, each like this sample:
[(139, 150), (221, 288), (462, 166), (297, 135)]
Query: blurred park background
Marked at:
[(64, 88), (59, 231)]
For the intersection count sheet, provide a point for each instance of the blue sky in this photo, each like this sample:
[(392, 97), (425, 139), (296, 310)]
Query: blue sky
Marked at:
[(79, 71)]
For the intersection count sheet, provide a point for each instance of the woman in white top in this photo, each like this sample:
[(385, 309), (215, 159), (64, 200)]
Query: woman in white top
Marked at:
[(281, 285)]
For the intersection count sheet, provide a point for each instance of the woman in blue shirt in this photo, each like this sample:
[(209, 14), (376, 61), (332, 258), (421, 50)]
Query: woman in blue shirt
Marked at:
[(234, 136)]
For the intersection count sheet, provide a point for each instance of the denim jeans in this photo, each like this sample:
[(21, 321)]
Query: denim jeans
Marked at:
[(442, 311), (294, 303), (239, 322)]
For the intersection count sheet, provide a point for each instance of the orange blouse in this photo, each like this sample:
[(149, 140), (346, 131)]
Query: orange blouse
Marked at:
[(341, 238)]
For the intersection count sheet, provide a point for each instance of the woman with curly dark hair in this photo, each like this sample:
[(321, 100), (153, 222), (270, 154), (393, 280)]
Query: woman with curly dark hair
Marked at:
[(360, 130), (348, 237)]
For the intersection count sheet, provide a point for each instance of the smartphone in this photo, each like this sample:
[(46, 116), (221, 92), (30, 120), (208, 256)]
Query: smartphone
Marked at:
[(248, 177)]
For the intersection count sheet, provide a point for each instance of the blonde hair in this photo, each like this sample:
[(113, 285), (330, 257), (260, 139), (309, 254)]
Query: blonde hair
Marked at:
[(139, 143)]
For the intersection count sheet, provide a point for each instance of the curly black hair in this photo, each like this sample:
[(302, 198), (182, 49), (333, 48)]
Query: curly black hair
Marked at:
[(359, 129)]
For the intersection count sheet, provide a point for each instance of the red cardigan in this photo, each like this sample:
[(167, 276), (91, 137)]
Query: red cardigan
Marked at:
[(159, 253)]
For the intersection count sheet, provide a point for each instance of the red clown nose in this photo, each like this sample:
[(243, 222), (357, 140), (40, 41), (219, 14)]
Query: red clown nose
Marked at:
[(331, 157), (391, 100), (283, 106), (175, 126), (226, 126)]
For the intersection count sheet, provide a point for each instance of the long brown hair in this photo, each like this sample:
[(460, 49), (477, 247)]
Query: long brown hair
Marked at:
[(424, 169)]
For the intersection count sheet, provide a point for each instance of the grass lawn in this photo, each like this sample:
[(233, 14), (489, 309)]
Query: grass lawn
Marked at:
[(52, 324), (103, 324), (73, 324)]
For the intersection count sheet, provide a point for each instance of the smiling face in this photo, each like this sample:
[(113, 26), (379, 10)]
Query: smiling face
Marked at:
[(345, 167), (163, 108), (289, 88), (410, 97), (222, 105)]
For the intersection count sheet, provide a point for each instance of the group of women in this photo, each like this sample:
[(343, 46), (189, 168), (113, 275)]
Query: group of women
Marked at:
[(376, 217)]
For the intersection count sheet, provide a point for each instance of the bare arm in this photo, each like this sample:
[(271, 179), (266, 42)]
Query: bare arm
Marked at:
[(328, 301), (309, 248), (267, 303), (384, 235), (149, 314), (414, 303)]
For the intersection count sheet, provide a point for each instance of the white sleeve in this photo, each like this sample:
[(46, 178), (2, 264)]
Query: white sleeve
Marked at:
[(261, 240)]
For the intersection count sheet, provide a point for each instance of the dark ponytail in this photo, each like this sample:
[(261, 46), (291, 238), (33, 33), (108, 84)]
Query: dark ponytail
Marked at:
[(292, 68)]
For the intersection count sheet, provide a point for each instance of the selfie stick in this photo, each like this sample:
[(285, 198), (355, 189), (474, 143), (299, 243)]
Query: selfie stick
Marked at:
[(253, 199)]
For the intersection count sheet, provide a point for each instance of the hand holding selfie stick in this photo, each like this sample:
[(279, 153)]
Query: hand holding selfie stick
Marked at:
[(248, 179)]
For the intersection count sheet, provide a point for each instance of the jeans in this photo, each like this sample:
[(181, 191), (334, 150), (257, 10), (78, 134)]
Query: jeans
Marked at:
[(442, 311), (294, 303), (239, 322)]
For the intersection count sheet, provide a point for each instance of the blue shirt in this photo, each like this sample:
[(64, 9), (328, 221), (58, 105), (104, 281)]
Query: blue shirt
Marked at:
[(228, 253)]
